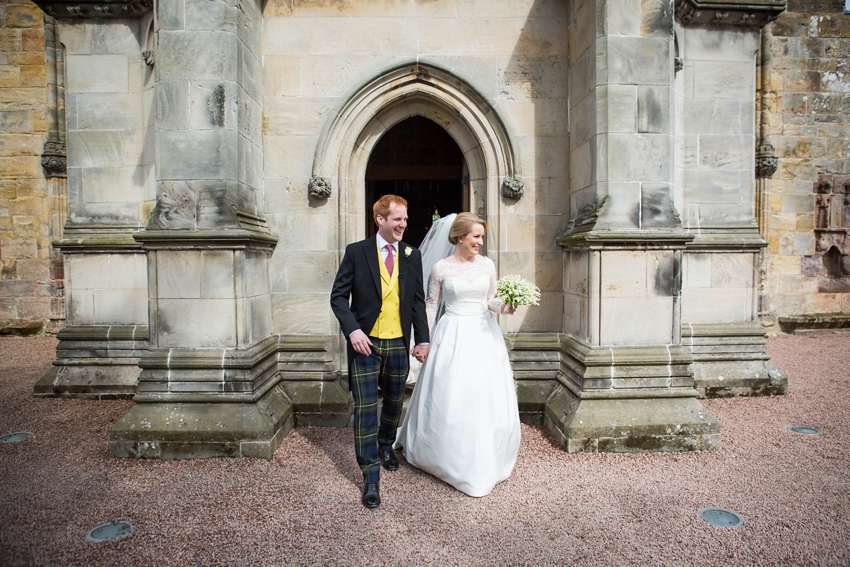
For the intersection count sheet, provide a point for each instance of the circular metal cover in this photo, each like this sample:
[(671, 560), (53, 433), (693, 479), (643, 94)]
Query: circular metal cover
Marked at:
[(721, 517), (111, 530), (805, 430), (17, 436)]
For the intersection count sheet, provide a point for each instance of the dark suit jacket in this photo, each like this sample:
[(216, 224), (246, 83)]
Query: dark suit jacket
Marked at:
[(359, 279)]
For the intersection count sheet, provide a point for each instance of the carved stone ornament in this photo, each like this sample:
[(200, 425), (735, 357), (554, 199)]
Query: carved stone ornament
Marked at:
[(147, 55), (747, 13), (54, 159), (320, 187), (512, 187), (65, 9), (766, 160)]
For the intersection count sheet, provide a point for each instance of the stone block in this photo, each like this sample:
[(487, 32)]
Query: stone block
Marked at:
[(697, 270), (203, 323), (24, 16), (525, 235), (711, 186), (107, 148), (623, 274), (121, 306), (204, 15), (545, 269), (260, 317), (108, 111), (726, 152), (653, 110), (494, 36), (540, 117), (638, 60), (87, 271), (544, 318), (731, 270), (113, 37), (79, 306), (10, 76), (209, 154), (196, 55), (636, 320), (172, 105), (116, 184), (636, 158), (577, 273), (533, 77), (295, 116), (127, 271), (303, 232), (33, 76), (289, 156), (97, 74), (716, 305), (621, 17), (656, 208), (302, 313), (719, 44), (330, 36), (508, 9), (622, 209), (718, 116), (725, 215), (178, 274), (282, 75), (724, 80), (216, 277), (310, 271)]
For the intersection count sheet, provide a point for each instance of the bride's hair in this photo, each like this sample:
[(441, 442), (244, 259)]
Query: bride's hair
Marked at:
[(463, 226)]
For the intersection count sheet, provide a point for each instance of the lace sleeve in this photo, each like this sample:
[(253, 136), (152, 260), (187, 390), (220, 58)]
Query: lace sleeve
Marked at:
[(435, 288), (493, 304)]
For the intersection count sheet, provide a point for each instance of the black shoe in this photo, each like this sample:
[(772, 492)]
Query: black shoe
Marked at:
[(371, 496), (388, 459)]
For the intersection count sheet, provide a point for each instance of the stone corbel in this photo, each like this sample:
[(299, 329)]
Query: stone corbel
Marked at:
[(74, 9), (319, 187), (767, 160), (749, 13), (54, 159), (513, 187)]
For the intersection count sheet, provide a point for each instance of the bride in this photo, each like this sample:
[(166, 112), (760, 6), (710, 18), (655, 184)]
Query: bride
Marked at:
[(462, 422)]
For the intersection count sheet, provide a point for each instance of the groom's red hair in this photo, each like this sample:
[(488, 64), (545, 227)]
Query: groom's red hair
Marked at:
[(382, 205)]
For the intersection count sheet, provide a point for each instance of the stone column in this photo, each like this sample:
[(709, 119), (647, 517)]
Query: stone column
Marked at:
[(103, 116), (625, 383), (209, 385)]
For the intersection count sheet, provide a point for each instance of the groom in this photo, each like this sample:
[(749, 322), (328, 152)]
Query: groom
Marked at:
[(382, 278)]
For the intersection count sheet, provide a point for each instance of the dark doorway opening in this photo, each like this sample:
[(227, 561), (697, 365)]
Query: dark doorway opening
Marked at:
[(418, 160)]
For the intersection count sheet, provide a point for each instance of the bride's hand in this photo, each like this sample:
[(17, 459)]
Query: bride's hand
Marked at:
[(508, 309)]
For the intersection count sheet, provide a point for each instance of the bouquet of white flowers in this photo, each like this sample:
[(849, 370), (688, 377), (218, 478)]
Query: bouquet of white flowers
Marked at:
[(517, 291)]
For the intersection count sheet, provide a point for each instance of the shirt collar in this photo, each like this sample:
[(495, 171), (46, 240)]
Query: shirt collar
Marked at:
[(382, 243)]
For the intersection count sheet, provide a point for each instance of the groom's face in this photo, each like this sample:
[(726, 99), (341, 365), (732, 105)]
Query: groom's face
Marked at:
[(391, 228)]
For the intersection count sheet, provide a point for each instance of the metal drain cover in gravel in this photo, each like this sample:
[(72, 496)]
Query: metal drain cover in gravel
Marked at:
[(721, 517), (112, 530), (17, 436), (805, 430)]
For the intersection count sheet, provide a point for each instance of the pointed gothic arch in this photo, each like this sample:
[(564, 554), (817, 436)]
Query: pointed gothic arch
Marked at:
[(351, 132)]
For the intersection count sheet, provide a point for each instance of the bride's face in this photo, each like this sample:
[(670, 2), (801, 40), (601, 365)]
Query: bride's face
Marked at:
[(470, 243)]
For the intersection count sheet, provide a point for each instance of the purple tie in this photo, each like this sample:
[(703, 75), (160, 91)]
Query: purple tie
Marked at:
[(390, 261)]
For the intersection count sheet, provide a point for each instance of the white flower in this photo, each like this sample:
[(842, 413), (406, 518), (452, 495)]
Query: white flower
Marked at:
[(515, 290), (407, 252)]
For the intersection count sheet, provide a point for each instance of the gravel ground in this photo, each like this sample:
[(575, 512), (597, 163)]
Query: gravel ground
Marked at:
[(303, 506)]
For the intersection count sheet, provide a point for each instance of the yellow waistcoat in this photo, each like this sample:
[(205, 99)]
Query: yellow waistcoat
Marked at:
[(388, 325)]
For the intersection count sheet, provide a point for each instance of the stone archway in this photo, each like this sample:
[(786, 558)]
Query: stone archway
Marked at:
[(350, 135)]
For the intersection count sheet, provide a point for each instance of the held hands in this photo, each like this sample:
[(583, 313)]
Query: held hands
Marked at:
[(360, 342), (420, 352)]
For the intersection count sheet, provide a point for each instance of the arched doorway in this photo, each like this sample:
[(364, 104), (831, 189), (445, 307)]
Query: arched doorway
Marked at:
[(419, 161)]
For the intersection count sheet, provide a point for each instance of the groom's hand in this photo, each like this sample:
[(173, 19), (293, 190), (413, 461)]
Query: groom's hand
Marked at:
[(361, 342), (420, 352)]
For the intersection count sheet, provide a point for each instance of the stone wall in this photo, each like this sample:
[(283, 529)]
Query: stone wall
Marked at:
[(25, 203), (316, 56), (805, 86)]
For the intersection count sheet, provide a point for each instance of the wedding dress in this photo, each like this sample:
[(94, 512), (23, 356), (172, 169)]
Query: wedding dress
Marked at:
[(462, 422)]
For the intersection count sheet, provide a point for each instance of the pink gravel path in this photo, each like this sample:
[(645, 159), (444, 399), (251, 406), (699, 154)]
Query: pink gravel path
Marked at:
[(303, 508)]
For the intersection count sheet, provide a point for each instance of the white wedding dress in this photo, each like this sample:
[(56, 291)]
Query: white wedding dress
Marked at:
[(462, 422)]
